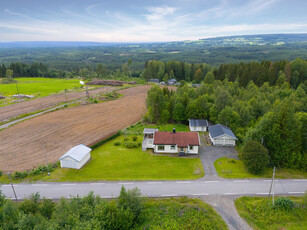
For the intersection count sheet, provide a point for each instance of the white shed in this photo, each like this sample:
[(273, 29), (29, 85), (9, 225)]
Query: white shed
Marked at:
[(76, 157), (197, 125)]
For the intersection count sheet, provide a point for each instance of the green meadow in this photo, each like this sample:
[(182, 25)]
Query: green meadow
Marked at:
[(235, 169), (39, 86)]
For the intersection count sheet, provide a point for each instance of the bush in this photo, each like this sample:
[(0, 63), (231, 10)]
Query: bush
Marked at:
[(131, 200), (131, 145), (126, 139), (19, 175), (255, 157), (284, 203), (0, 173), (117, 143), (134, 138)]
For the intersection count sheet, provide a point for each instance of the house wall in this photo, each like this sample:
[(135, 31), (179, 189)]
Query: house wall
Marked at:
[(194, 151), (68, 162), (223, 140), (167, 149), (84, 160), (198, 129)]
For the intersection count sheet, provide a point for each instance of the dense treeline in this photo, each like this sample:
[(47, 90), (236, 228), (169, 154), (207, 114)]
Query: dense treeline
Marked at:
[(129, 211), (89, 212), (294, 72), (273, 115), (30, 70)]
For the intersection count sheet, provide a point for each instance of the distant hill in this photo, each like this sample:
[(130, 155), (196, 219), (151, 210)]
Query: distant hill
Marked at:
[(213, 51), (242, 40), (37, 44)]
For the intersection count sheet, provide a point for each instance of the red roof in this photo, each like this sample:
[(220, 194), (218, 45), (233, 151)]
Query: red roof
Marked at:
[(181, 139)]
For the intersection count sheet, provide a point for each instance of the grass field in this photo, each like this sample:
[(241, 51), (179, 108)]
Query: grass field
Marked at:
[(233, 168), (180, 213), (260, 213), (38, 86), (111, 162)]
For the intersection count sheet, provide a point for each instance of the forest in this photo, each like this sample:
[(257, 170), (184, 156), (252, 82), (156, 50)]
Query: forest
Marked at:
[(68, 56), (294, 72), (275, 116), (131, 210)]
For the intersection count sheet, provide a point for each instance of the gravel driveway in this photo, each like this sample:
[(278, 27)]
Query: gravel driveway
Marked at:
[(208, 154)]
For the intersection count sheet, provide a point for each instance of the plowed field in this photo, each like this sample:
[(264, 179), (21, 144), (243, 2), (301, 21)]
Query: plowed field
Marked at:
[(14, 110), (22, 145)]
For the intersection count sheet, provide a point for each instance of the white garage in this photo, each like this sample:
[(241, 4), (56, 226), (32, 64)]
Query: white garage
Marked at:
[(222, 135), (76, 157)]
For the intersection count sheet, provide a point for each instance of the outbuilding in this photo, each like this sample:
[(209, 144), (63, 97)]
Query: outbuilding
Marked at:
[(222, 135), (76, 157), (198, 125)]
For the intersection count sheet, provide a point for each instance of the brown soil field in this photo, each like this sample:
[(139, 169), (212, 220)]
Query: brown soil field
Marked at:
[(22, 145), (17, 109)]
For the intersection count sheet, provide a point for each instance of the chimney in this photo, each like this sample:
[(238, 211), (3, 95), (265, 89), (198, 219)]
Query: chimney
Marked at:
[(174, 130)]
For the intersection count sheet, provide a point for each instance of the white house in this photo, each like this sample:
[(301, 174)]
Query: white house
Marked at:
[(197, 125), (222, 135), (76, 157), (183, 143)]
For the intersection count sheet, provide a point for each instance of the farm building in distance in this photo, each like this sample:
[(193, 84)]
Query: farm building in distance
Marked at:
[(76, 157), (183, 143), (221, 135), (197, 125)]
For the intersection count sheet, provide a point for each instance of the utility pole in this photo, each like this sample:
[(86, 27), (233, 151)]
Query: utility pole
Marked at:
[(87, 94), (12, 187), (46, 157), (272, 188)]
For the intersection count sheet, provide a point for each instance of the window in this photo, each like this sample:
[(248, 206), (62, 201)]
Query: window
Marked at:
[(173, 147), (190, 147), (161, 147)]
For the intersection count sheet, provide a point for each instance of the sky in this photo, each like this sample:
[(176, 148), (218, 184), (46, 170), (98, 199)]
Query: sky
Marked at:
[(147, 21)]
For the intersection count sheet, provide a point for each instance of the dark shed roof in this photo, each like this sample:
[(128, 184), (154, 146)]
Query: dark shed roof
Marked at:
[(198, 123), (219, 130)]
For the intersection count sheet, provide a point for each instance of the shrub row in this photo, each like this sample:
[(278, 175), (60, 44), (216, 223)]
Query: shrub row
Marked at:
[(37, 171)]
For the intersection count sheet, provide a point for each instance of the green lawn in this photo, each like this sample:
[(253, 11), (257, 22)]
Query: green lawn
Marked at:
[(232, 168), (110, 162), (180, 213), (39, 86), (260, 213)]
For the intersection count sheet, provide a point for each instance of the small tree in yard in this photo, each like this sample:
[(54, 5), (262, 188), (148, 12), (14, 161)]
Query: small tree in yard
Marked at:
[(255, 157)]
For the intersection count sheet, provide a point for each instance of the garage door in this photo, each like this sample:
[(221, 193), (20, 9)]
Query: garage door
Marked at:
[(229, 142), (219, 142)]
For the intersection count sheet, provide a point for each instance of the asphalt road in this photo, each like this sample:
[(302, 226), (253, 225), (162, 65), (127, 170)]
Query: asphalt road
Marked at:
[(159, 188)]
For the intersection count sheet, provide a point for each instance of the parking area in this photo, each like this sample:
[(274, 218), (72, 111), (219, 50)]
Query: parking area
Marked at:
[(209, 153)]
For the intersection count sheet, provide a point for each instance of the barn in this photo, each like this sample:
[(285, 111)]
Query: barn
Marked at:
[(222, 135), (76, 157), (198, 125)]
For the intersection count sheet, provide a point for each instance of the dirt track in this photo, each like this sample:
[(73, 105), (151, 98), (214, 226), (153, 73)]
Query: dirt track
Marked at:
[(14, 110), (21, 145)]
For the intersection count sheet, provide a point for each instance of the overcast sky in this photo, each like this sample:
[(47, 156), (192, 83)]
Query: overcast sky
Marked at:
[(144, 21)]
